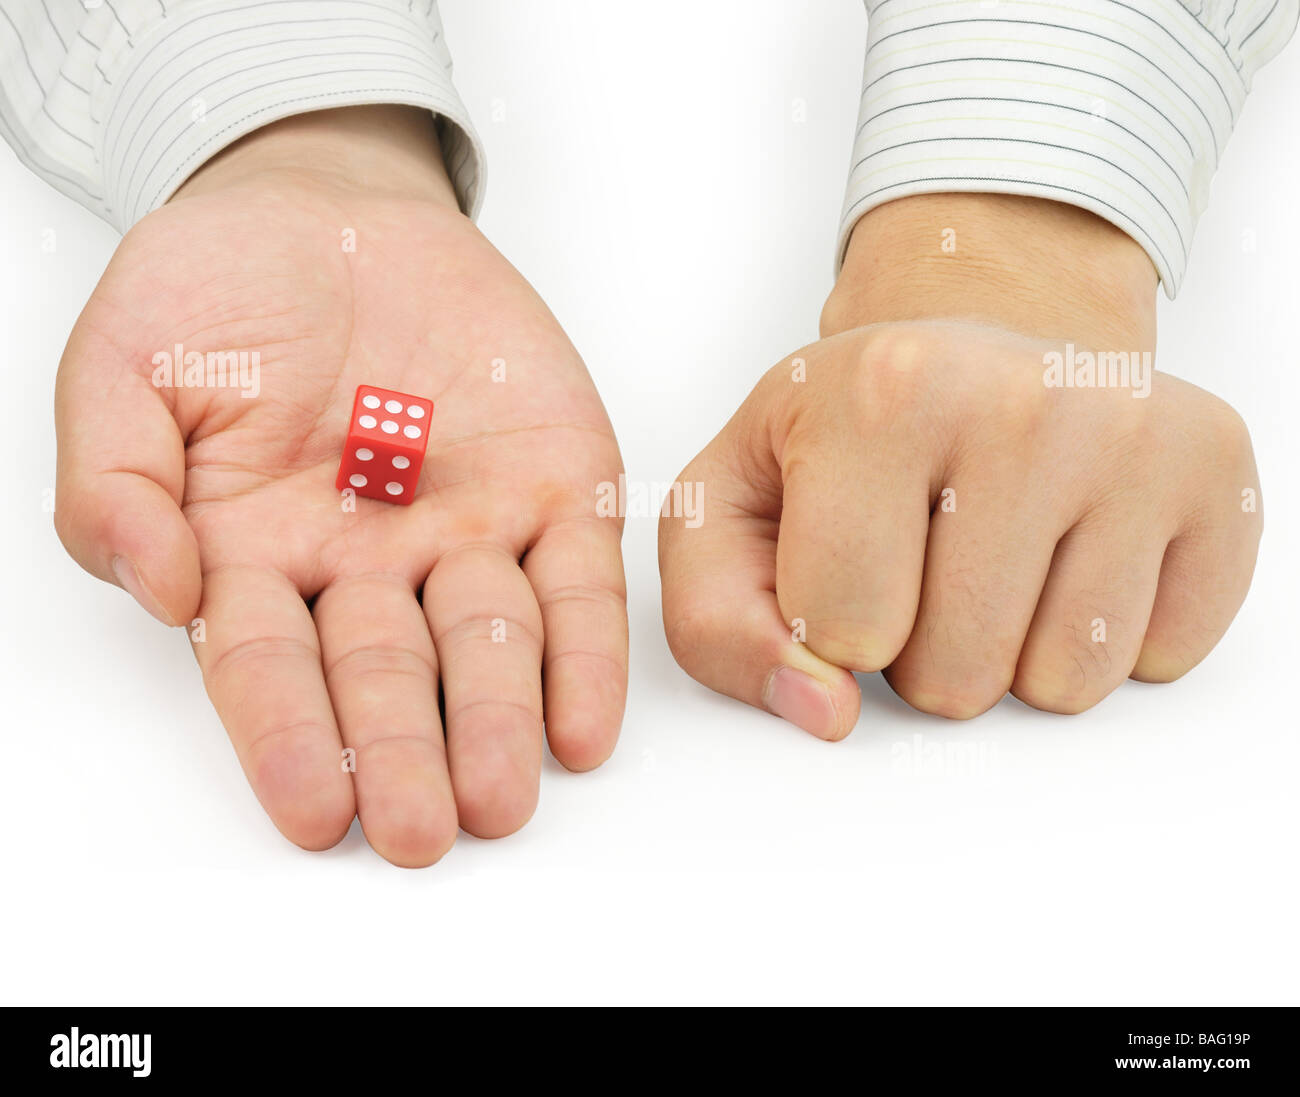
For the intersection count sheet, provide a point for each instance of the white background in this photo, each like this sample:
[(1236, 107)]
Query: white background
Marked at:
[(646, 172)]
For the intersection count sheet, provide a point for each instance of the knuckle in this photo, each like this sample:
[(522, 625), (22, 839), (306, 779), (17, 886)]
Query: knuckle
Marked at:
[(1054, 690), (892, 368), (1159, 664), (856, 646), (595, 593), (495, 719), (1075, 669), (483, 628), (1023, 402), (379, 659), (958, 684), (953, 701), (257, 649)]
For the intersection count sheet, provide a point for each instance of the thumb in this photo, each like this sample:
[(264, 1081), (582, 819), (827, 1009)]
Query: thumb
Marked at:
[(121, 477), (721, 616)]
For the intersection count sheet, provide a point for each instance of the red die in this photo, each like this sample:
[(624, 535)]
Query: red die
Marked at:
[(385, 444)]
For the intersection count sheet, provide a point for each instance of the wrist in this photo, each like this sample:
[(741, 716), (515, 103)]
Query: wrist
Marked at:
[(1026, 264), (384, 149)]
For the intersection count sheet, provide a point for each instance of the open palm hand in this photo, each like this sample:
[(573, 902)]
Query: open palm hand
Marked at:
[(330, 624)]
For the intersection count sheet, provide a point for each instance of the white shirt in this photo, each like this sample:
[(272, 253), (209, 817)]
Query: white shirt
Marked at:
[(1122, 107), (117, 102)]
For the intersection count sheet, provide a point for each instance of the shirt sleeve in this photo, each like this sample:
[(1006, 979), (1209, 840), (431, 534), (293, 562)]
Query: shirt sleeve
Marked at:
[(117, 102), (1122, 107)]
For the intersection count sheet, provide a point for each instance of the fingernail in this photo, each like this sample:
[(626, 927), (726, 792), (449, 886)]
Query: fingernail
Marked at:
[(129, 580), (801, 699)]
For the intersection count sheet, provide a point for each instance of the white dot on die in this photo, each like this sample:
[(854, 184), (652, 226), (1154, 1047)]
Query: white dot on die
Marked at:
[(415, 411), (388, 426), (357, 480), (364, 454), (393, 407), (412, 432), (394, 488), (400, 462), (367, 421), (370, 401)]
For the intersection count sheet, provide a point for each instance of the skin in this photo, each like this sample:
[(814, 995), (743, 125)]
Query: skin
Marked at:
[(1068, 506), (326, 629)]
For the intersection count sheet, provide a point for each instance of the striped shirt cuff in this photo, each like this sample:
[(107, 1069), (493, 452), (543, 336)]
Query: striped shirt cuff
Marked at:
[(1120, 108), (210, 72)]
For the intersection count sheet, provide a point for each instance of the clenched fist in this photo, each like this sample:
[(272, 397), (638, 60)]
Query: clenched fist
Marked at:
[(974, 482)]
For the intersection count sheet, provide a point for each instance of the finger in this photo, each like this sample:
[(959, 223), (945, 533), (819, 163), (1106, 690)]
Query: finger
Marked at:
[(852, 547), (261, 665), (121, 479), (1088, 626), (721, 616), (381, 671), (487, 630), (1204, 577), (576, 570), (985, 564)]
